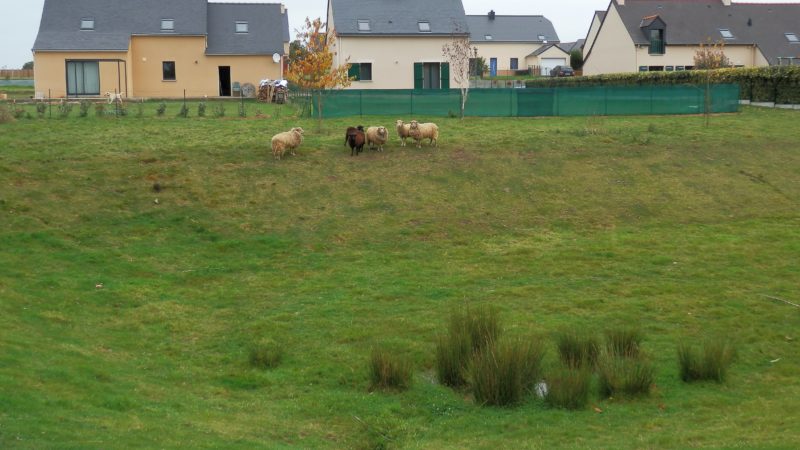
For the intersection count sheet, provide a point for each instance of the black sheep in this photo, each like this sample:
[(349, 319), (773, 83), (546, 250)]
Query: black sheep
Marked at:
[(355, 138)]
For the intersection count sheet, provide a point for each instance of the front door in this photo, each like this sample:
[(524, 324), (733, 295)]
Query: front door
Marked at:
[(224, 81), (493, 67), (83, 78)]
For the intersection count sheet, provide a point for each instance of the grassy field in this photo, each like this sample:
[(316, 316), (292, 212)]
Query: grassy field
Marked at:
[(127, 315)]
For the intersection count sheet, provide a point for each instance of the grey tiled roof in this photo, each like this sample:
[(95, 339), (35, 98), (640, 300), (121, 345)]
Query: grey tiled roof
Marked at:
[(268, 29), (511, 29), (570, 46), (398, 17), (547, 47), (692, 23), (114, 22)]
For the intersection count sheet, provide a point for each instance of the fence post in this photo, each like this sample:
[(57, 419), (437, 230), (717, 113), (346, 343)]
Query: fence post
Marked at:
[(361, 103), (411, 113), (50, 103)]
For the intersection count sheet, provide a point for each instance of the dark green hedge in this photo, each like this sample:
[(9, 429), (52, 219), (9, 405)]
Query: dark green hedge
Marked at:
[(762, 84)]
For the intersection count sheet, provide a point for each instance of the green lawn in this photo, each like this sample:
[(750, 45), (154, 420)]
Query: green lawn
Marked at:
[(126, 322)]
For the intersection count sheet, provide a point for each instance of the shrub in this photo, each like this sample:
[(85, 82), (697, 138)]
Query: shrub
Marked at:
[(710, 362), (64, 110), (623, 343), (625, 376), (99, 109), (469, 332), (387, 371), (19, 112), (184, 111), (502, 373), (266, 355), (201, 109), (568, 388), (577, 349), (41, 109), (242, 110), (219, 109), (162, 108), (84, 108), (5, 114)]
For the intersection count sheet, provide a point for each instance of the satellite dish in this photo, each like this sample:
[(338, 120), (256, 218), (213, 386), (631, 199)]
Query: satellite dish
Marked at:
[(276, 57)]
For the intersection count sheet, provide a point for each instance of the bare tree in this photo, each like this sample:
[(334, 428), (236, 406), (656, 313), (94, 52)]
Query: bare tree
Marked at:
[(459, 52)]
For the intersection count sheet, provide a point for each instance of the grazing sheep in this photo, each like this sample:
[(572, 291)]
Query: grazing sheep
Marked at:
[(403, 132), (288, 140), (356, 140), (419, 131), (377, 136)]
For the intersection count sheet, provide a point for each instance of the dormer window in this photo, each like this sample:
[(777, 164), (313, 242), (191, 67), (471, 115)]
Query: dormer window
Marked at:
[(424, 27), (726, 33), (167, 24), (242, 27), (363, 25), (792, 37), (87, 23), (656, 42), (489, 37)]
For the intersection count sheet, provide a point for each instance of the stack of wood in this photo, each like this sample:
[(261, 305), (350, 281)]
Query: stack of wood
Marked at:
[(269, 93)]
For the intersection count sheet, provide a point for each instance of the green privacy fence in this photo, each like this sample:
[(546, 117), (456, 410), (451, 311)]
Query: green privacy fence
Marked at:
[(532, 102)]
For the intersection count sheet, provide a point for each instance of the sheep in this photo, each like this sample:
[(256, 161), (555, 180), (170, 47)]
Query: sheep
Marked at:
[(356, 139), (377, 136), (402, 132), (347, 134), (288, 140), (419, 131)]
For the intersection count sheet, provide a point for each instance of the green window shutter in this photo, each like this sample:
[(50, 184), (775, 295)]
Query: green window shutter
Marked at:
[(418, 77), (445, 75), (354, 72)]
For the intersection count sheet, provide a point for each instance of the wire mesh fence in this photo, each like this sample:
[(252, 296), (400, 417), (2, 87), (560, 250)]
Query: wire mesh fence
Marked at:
[(532, 102)]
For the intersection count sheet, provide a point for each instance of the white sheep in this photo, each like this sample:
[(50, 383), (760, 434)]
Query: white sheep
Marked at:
[(288, 140), (419, 131), (403, 132), (377, 136)]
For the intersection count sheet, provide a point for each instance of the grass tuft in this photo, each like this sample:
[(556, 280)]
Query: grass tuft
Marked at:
[(266, 355), (501, 374), (577, 349), (624, 376), (624, 342), (710, 362), (469, 332), (568, 388), (5, 114), (388, 371)]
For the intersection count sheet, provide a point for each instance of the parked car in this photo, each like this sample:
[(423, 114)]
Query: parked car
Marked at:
[(562, 71)]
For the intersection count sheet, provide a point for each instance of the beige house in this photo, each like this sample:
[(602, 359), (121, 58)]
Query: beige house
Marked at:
[(643, 35), (154, 48), (393, 44), (511, 44)]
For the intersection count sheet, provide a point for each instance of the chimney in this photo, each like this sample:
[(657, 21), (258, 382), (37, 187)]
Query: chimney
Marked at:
[(491, 15), (726, 2)]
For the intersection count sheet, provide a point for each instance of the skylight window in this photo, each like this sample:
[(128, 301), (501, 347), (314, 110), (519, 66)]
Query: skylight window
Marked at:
[(167, 24), (242, 27), (542, 37), (726, 33), (87, 23), (792, 37), (363, 25), (425, 27), (489, 37)]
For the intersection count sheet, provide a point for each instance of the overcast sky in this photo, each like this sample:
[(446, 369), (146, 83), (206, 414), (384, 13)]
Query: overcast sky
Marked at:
[(19, 19)]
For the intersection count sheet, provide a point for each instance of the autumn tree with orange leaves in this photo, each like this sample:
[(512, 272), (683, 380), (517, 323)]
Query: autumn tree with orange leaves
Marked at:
[(312, 68)]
